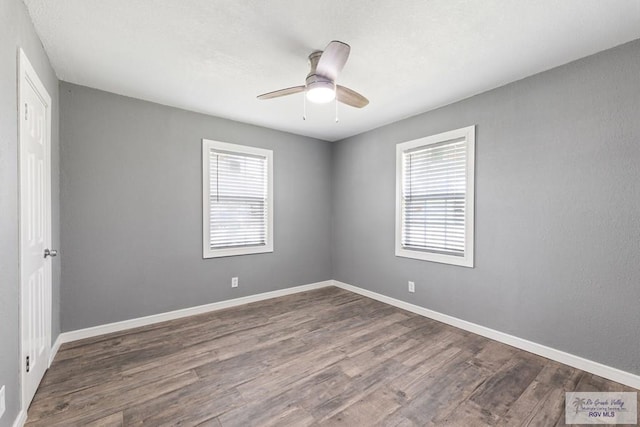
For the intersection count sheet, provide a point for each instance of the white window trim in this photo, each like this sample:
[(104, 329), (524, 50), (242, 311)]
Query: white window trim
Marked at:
[(468, 260), (207, 145)]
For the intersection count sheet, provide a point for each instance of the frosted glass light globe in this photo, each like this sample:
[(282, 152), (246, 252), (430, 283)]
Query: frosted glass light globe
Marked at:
[(321, 92)]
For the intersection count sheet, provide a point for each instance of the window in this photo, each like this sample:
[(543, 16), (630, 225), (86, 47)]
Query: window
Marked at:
[(237, 199), (434, 196)]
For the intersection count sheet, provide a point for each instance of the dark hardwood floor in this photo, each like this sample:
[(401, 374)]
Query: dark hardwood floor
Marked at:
[(326, 357)]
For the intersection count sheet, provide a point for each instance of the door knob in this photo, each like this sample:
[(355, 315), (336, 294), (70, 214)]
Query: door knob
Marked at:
[(50, 253)]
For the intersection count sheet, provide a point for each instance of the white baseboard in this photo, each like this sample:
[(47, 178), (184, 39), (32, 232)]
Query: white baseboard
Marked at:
[(79, 334), (578, 362), (54, 349), (20, 419)]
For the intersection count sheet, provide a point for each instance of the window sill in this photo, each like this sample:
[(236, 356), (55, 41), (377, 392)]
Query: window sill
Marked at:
[(466, 261), (219, 253)]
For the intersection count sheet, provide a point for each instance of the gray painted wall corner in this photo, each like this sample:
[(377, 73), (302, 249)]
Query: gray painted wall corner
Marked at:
[(557, 197), (132, 210)]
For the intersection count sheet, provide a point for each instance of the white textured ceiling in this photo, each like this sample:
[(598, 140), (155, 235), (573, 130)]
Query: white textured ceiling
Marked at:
[(407, 56)]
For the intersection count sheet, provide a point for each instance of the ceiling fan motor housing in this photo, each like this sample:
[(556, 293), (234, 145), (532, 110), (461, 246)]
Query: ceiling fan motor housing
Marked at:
[(320, 89), (316, 80)]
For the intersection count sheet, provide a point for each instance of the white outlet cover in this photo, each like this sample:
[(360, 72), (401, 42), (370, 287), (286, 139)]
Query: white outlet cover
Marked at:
[(2, 407)]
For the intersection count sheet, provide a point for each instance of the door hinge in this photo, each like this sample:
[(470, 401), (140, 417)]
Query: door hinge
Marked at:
[(27, 363)]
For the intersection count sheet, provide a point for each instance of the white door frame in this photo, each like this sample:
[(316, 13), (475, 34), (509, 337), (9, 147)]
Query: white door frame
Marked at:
[(27, 75)]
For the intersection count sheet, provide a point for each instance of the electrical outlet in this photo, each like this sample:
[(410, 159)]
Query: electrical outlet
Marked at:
[(1, 401), (412, 287), (234, 282)]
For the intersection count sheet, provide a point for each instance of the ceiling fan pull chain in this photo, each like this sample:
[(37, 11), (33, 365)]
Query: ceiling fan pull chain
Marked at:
[(337, 120), (304, 108)]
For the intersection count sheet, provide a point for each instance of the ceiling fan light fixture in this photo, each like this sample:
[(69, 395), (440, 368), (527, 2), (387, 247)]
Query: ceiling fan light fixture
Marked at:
[(321, 92), (320, 85)]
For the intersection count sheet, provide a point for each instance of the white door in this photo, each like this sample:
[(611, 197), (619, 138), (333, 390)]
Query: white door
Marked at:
[(35, 228)]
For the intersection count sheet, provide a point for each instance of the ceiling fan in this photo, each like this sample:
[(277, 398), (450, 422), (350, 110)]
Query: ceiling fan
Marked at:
[(320, 85)]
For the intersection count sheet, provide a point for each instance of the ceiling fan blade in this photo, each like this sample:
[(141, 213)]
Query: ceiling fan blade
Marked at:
[(282, 92), (333, 59), (350, 97)]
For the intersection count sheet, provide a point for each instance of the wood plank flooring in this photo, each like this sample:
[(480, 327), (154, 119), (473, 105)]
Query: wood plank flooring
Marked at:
[(324, 357)]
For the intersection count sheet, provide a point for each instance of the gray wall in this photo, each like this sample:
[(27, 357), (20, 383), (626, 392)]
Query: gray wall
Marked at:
[(132, 210), (16, 30), (557, 210)]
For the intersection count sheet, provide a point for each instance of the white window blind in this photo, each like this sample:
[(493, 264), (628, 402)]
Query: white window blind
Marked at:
[(433, 198), (434, 203), (238, 202)]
